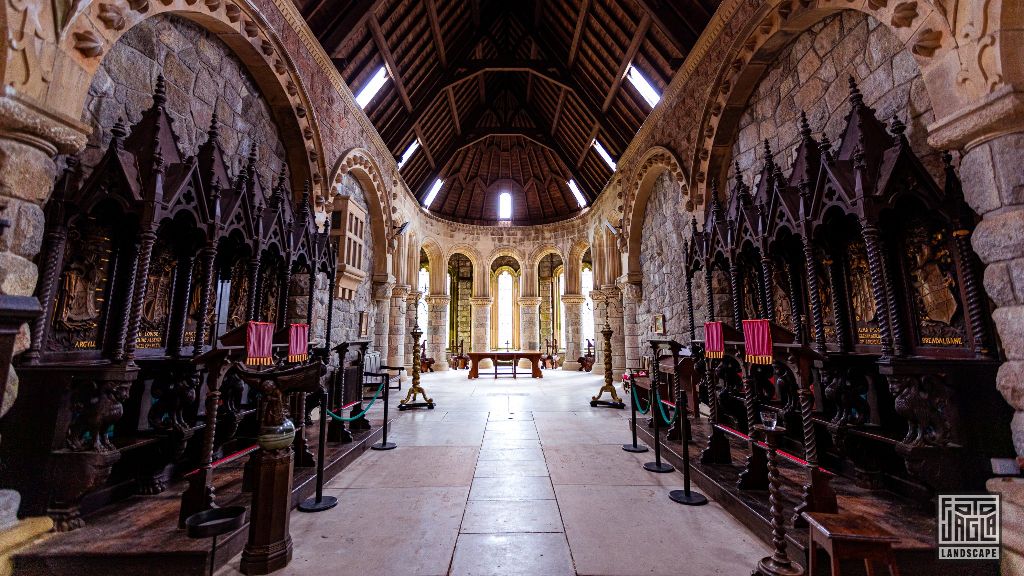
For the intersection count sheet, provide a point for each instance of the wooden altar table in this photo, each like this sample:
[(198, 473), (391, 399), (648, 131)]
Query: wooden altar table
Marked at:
[(532, 356)]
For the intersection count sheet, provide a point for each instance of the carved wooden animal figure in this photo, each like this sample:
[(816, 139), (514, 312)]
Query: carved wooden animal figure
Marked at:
[(96, 407)]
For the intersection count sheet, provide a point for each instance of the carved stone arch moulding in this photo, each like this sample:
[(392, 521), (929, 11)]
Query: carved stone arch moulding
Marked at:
[(538, 254), (506, 251), (655, 161), (363, 168), (920, 25), (91, 28)]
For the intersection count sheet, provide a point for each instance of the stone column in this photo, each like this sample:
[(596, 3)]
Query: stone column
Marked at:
[(631, 294), (412, 302), (398, 334), (614, 315), (529, 323), (29, 140), (382, 314), (437, 330), (481, 314), (992, 181), (598, 298), (573, 304)]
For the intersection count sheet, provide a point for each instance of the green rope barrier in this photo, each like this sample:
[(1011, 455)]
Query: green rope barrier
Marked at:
[(636, 401), (360, 415), (661, 408)]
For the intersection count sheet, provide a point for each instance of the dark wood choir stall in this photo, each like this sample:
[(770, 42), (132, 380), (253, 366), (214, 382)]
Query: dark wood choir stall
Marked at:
[(150, 257), (883, 359)]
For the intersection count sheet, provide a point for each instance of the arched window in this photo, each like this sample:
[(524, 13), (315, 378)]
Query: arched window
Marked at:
[(505, 206), (505, 309), (586, 285), (421, 308)]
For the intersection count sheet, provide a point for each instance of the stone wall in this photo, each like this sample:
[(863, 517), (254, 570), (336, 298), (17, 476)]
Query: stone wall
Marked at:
[(345, 316), (666, 226), (812, 75), (202, 76), (545, 273)]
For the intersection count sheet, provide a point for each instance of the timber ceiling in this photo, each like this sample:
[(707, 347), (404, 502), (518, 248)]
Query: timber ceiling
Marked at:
[(507, 96)]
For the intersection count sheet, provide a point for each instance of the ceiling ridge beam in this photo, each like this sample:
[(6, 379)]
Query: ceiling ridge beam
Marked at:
[(634, 46)]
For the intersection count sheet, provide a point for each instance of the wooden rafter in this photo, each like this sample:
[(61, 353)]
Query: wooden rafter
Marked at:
[(425, 147), (389, 59), (577, 33), (454, 109), (344, 21), (627, 58), (435, 31), (558, 111), (587, 146), (681, 32)]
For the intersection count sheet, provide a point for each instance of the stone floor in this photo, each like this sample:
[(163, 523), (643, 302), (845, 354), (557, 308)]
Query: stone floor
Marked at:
[(513, 477)]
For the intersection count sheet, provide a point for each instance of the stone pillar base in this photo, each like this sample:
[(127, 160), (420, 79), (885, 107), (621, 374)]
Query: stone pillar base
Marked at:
[(1011, 491), (441, 365), (571, 366)]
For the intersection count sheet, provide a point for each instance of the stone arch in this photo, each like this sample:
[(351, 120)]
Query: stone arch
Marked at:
[(438, 265), (87, 35), (921, 26), (506, 251), (655, 161), (481, 285), (363, 168), (533, 261), (574, 266)]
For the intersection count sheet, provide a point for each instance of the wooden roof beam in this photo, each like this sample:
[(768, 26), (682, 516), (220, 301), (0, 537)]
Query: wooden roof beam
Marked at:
[(681, 32), (435, 31), (389, 59), (577, 33), (558, 111), (587, 146), (425, 147), (454, 109), (343, 22), (627, 58)]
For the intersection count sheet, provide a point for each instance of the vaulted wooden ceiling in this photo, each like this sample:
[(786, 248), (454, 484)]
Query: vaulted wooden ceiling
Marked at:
[(507, 96)]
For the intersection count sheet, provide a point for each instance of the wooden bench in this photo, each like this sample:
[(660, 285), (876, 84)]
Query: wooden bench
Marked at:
[(850, 536)]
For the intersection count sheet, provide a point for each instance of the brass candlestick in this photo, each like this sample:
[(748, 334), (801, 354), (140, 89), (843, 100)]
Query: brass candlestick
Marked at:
[(609, 386), (415, 389)]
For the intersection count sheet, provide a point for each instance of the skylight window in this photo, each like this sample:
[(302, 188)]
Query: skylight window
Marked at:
[(636, 78), (408, 153), (372, 87), (505, 206), (433, 192), (579, 195), (604, 154)]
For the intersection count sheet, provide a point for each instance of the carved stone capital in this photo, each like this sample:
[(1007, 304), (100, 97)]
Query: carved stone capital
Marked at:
[(529, 301), (401, 291), (382, 290), (438, 300), (631, 293), (481, 301), (573, 299)]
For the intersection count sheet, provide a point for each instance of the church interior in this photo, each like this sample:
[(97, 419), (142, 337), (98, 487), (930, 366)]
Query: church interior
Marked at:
[(547, 287)]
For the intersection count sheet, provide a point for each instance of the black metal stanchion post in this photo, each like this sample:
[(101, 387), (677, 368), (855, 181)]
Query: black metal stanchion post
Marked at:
[(685, 496), (657, 465), (319, 503), (384, 444), (634, 447)]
